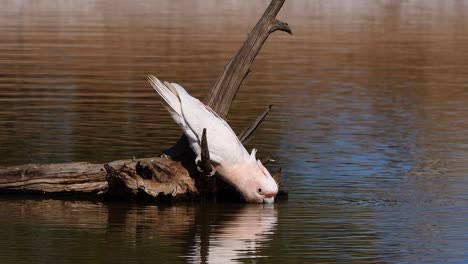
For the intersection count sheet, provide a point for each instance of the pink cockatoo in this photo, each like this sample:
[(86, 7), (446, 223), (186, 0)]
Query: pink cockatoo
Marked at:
[(230, 159)]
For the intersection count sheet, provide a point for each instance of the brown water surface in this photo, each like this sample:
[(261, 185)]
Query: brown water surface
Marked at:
[(369, 124)]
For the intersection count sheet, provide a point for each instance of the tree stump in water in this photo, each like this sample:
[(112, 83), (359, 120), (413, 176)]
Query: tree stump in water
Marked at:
[(173, 175)]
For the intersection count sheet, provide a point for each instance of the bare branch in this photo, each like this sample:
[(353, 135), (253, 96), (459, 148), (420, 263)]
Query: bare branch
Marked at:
[(224, 91), (247, 133), (280, 25)]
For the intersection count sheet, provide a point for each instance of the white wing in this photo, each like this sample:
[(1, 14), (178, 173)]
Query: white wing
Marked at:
[(193, 116), (171, 102), (170, 98), (223, 143)]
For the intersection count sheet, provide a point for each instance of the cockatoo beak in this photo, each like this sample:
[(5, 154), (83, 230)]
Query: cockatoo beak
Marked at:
[(269, 200)]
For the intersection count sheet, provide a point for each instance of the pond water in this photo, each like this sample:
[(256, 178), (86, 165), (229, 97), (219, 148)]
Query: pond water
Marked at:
[(369, 124)]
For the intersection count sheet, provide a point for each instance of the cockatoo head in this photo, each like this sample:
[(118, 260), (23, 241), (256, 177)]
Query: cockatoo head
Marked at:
[(259, 186), (252, 180)]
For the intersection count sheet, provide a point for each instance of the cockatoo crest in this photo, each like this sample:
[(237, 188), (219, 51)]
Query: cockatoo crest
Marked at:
[(253, 153)]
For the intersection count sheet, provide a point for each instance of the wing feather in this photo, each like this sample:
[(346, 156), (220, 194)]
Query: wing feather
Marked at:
[(168, 94), (223, 143)]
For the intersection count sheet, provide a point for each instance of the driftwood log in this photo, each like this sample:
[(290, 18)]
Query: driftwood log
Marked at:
[(171, 176)]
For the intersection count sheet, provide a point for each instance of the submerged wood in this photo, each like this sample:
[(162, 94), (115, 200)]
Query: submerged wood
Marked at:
[(157, 177)]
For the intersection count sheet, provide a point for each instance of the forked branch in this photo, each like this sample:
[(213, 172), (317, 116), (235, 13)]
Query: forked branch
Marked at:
[(224, 91)]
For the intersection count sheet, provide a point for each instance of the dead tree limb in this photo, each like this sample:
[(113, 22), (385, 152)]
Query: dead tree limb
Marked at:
[(225, 89), (55, 178), (247, 133), (150, 177)]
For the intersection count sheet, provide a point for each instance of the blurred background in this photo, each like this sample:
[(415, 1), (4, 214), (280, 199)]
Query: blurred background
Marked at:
[(369, 124)]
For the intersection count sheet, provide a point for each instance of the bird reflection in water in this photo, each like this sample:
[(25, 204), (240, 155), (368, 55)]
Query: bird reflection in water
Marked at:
[(240, 235), (201, 233)]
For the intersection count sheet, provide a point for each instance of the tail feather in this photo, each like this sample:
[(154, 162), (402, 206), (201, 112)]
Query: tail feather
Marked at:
[(172, 88), (168, 93)]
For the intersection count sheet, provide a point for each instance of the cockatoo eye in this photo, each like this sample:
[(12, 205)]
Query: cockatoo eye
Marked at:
[(259, 190)]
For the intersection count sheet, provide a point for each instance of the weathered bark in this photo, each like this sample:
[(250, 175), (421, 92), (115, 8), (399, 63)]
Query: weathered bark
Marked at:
[(158, 177), (155, 178), (66, 177)]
